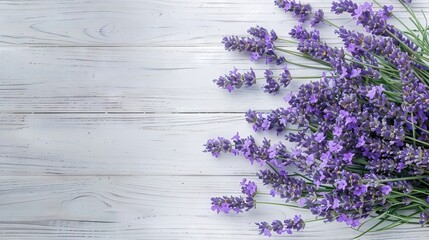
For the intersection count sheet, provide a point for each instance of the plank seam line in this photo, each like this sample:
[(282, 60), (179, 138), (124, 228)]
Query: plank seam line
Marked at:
[(116, 113)]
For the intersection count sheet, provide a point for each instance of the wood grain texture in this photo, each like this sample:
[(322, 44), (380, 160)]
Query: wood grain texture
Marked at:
[(104, 108), (117, 144), (144, 207), (128, 80), (145, 22)]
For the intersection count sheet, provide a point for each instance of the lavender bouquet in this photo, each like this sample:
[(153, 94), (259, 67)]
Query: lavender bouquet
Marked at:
[(360, 132)]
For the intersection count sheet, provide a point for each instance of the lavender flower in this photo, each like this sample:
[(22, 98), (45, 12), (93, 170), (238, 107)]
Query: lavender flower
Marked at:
[(374, 23), (288, 188), (235, 80), (248, 187), (300, 10), (277, 119), (272, 85), (344, 6), (237, 204), (285, 77), (215, 147), (261, 45), (318, 17), (348, 220), (279, 227), (227, 204), (262, 33)]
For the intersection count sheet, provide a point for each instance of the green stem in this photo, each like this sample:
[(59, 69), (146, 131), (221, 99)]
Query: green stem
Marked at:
[(314, 220), (262, 193), (330, 23), (413, 128), (303, 55), (309, 77), (371, 228), (287, 40), (401, 179), (416, 140), (417, 200), (308, 66), (279, 204)]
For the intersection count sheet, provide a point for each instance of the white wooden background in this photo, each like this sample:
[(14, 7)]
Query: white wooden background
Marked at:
[(105, 105)]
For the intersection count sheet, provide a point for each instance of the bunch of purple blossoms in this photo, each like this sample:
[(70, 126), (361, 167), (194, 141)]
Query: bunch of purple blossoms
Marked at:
[(374, 22), (261, 44), (300, 10), (235, 80), (360, 132), (237, 204)]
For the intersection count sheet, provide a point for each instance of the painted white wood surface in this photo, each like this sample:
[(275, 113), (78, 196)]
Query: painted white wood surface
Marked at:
[(105, 106)]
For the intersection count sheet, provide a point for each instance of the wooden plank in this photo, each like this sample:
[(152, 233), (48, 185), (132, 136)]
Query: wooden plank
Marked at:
[(118, 144), (146, 208), (144, 22), (129, 80)]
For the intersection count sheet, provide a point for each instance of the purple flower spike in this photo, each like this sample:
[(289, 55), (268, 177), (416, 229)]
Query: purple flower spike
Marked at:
[(272, 85), (300, 10), (259, 32), (285, 77), (318, 17), (216, 146), (386, 12), (348, 220), (288, 188), (235, 80), (363, 13), (374, 22), (248, 187), (343, 6), (249, 78), (259, 46), (237, 204), (280, 227)]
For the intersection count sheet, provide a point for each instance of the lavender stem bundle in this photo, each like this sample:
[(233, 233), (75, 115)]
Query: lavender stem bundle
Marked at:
[(361, 131)]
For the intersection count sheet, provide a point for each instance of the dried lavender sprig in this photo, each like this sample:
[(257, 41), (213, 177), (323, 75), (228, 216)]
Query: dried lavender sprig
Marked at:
[(300, 10), (319, 17), (374, 22), (414, 91), (237, 204), (235, 80), (227, 204), (261, 45), (288, 188), (280, 227)]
